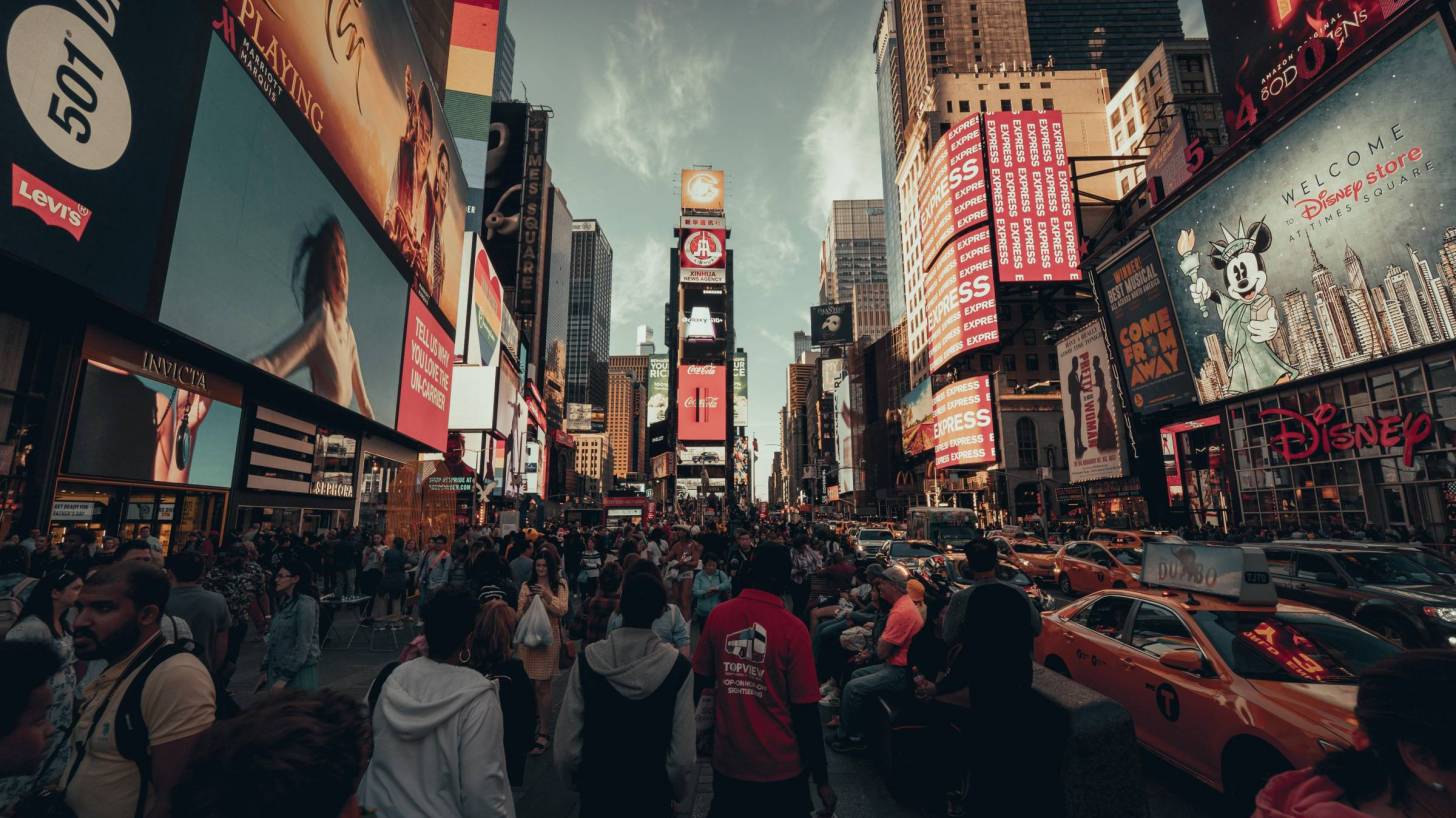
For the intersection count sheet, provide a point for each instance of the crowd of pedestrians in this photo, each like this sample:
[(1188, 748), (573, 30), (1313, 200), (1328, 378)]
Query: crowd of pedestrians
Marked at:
[(763, 652)]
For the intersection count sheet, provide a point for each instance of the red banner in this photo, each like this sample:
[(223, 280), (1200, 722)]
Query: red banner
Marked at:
[(1035, 213), (702, 402), (965, 426), (953, 187), (961, 298), (424, 381)]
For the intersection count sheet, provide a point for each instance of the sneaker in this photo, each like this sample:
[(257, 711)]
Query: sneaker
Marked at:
[(848, 745)]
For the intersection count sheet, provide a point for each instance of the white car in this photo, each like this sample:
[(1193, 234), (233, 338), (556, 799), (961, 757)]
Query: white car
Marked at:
[(873, 540)]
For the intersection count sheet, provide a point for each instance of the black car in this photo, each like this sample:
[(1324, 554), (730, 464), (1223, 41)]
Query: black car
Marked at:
[(1384, 589)]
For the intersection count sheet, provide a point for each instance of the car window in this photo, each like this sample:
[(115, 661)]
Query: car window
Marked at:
[(1102, 536), (1386, 568), (1281, 561), (1080, 550), (1158, 630), (1128, 556), (1105, 615), (911, 550), (1309, 566), (1292, 647), (1034, 548), (1100, 557)]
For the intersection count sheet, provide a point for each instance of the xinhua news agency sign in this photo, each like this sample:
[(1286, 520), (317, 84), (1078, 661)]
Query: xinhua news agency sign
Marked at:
[(1306, 436)]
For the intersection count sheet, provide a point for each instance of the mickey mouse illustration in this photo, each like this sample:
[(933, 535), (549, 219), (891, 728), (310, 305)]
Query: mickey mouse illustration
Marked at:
[(1250, 320)]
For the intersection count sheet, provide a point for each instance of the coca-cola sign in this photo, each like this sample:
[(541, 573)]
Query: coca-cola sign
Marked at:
[(702, 402), (1305, 436)]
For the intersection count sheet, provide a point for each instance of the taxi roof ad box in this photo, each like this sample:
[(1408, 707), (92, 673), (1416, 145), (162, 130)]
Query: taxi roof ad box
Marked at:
[(1236, 572)]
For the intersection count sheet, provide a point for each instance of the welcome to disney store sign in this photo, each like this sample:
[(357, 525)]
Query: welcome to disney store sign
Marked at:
[(1304, 436)]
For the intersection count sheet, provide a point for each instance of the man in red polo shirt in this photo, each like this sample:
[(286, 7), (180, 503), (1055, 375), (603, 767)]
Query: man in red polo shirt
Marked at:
[(892, 675), (756, 658)]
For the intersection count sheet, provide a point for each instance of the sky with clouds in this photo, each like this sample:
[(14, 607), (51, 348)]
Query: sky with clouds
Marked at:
[(779, 93)]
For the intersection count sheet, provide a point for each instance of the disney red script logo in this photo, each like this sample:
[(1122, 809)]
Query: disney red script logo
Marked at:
[(1307, 436)]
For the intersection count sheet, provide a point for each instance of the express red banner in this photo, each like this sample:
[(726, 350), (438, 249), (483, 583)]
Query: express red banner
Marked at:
[(953, 186), (961, 298), (1034, 209), (702, 402), (965, 426)]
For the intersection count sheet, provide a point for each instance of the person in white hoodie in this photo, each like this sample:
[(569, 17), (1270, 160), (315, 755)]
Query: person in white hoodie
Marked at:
[(438, 751), (625, 737)]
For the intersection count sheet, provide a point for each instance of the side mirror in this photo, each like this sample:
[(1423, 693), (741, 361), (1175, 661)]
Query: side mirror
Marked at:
[(1186, 660), (1330, 578)]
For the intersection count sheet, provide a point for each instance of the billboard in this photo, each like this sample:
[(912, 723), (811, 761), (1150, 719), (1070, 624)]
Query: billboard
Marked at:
[(702, 402), (703, 257), (424, 378), (271, 265), (965, 426), (848, 428), (703, 191), (704, 325), (960, 296), (578, 417), (1269, 52), (1033, 209), (469, 83), (92, 123), (658, 383), (1089, 406), (1324, 248), (505, 167), (831, 324), (487, 298), (740, 389), (531, 268), (953, 187), (143, 415), (355, 77), (917, 426), (1145, 335)]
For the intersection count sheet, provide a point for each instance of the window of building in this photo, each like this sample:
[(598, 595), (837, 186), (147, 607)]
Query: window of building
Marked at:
[(949, 107), (976, 32), (1033, 362), (937, 59), (986, 363), (1195, 87), (1024, 85), (983, 106), (934, 8), (1047, 104), (1046, 85), (936, 34), (1026, 443), (1116, 118), (1008, 363), (965, 106), (1155, 73), (1004, 86), (974, 18), (937, 46), (1190, 65), (935, 21), (1006, 105), (1026, 105)]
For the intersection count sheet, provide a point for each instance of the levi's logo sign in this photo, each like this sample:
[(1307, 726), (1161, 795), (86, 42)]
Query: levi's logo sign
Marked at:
[(54, 208)]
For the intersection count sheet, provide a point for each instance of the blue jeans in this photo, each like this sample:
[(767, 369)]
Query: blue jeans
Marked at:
[(865, 686)]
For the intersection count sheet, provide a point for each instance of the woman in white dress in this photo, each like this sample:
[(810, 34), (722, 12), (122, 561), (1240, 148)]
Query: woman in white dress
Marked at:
[(325, 342)]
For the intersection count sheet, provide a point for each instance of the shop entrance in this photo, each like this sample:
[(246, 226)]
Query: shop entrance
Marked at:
[(293, 520), (167, 512)]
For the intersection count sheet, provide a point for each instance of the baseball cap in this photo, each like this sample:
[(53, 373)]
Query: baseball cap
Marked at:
[(916, 589), (897, 575)]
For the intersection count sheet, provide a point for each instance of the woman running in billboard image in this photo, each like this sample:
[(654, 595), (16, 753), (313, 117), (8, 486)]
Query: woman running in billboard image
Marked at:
[(325, 342)]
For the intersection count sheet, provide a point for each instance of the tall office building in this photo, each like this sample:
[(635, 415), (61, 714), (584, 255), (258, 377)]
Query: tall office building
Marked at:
[(589, 324), (890, 91), (645, 344), (853, 249), (627, 413), (1116, 35), (505, 59), (1140, 115), (802, 344)]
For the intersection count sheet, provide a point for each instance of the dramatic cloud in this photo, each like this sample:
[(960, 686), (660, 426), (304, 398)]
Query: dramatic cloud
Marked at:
[(841, 144), (1194, 24), (639, 284), (655, 90)]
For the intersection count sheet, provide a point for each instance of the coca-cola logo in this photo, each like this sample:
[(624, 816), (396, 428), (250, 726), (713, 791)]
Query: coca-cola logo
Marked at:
[(1304, 436), (54, 208), (702, 369), (694, 402)]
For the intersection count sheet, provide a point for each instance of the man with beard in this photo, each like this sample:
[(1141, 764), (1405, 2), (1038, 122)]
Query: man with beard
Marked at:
[(127, 766)]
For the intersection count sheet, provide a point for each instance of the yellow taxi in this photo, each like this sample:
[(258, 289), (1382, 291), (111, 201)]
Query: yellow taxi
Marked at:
[(1082, 566), (1028, 554), (1221, 679)]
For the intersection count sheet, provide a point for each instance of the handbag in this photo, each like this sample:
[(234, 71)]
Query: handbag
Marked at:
[(534, 629)]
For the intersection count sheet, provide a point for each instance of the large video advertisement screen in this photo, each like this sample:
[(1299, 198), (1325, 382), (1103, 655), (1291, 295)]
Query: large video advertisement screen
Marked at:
[(270, 264), (1329, 246)]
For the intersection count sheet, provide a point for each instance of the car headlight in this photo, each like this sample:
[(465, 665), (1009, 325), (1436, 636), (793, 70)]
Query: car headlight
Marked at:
[(1447, 615)]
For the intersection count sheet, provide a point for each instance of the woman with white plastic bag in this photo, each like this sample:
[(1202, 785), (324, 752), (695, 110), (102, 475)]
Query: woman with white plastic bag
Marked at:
[(540, 648)]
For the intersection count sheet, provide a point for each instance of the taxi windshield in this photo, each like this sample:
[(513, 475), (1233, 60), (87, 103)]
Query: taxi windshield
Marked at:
[(1292, 647), (908, 550), (1031, 547), (1386, 568), (1127, 556)]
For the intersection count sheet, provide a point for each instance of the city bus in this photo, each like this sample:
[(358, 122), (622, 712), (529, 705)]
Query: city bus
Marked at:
[(946, 527)]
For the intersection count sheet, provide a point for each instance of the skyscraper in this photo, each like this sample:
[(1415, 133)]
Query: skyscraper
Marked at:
[(1113, 34), (1330, 312), (1447, 255), (590, 321), (1405, 292), (1311, 353), (627, 414), (889, 89), (505, 58), (645, 345), (853, 250)]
